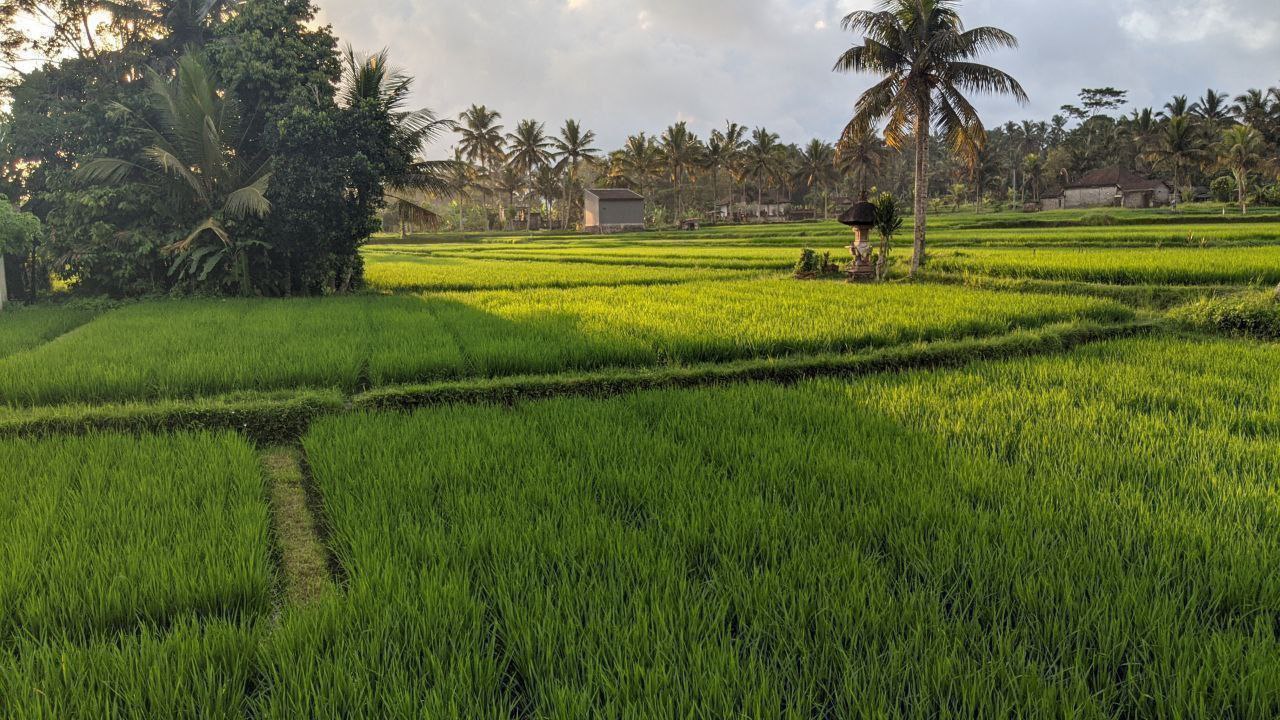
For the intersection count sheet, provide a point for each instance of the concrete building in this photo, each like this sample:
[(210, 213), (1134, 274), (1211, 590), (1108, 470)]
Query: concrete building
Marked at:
[(612, 210), (1113, 187), (771, 206)]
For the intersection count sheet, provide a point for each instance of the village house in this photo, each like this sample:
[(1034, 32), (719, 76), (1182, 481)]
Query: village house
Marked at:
[(1112, 187), (612, 210)]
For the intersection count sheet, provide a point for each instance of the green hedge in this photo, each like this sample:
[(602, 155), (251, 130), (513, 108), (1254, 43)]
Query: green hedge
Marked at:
[(1053, 338)]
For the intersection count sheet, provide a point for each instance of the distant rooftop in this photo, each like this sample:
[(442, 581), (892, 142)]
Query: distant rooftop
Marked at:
[(615, 194), (1116, 177)]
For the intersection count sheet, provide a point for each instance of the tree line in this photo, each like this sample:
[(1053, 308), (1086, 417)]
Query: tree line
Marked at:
[(207, 146)]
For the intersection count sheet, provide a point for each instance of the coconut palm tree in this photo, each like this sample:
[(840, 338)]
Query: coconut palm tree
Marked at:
[(859, 153), (734, 140), (640, 161), (548, 181), (1253, 107), (371, 82), (482, 139), (715, 157), (818, 170), (681, 151), (927, 59), (528, 149), (1241, 151), (764, 161), (460, 178), (1178, 147), (569, 150), (1178, 107), (1213, 109), (194, 150)]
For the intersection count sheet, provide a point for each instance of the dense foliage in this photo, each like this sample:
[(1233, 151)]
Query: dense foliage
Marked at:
[(141, 194)]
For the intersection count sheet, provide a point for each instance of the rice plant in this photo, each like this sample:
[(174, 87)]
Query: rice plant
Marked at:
[(27, 327), (1082, 536), (1128, 266), (420, 273), (196, 348), (106, 532)]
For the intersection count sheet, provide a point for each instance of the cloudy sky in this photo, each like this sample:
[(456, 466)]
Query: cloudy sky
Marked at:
[(622, 66)]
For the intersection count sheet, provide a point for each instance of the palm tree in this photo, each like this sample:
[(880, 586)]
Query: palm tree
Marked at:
[(459, 179), (1214, 110), (1139, 132), (927, 60), (1241, 151), (764, 162), (1033, 171), (481, 138), (528, 150), (681, 150), (370, 81), (569, 150), (1178, 107), (193, 149), (640, 161), (734, 139), (1254, 107), (547, 183), (1178, 147), (859, 153), (715, 157), (528, 147), (818, 170)]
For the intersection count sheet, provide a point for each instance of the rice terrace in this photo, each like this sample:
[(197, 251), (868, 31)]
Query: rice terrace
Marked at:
[(317, 404)]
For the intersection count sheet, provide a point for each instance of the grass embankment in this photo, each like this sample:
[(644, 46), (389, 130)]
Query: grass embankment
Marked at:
[(206, 348), (671, 553)]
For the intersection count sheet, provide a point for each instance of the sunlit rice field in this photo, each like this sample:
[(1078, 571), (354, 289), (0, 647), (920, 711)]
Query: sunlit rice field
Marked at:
[(1173, 266), (402, 272), (201, 347), (1070, 536)]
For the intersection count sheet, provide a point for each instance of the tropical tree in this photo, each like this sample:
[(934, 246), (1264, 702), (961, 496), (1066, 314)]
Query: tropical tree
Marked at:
[(371, 84), (1178, 107), (734, 137), (640, 160), (817, 170), (193, 150), (927, 59), (570, 149), (860, 153), (715, 158), (1178, 147), (459, 179), (1213, 110), (1033, 171), (1241, 151), (764, 161), (681, 151), (528, 147), (481, 139), (19, 233)]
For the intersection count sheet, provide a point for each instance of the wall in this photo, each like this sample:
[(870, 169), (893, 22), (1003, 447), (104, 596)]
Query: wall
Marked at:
[(1089, 197), (590, 210), (620, 212)]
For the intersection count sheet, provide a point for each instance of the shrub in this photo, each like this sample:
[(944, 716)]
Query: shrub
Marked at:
[(1223, 189)]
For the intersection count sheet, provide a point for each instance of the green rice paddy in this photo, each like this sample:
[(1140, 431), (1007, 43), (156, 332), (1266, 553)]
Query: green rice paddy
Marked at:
[(1042, 529)]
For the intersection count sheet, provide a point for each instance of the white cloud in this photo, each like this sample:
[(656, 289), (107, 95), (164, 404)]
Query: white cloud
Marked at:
[(622, 66)]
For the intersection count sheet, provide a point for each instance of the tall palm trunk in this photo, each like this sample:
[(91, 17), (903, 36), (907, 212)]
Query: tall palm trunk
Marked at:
[(922, 185), (1242, 180)]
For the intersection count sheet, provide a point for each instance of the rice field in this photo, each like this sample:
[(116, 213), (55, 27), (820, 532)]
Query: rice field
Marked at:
[(132, 570), (27, 327), (401, 272), (1006, 545), (208, 347), (1059, 528), (1124, 266)]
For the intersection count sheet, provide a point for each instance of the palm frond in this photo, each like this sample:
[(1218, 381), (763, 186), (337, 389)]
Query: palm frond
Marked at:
[(210, 225), (250, 200), (106, 170)]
